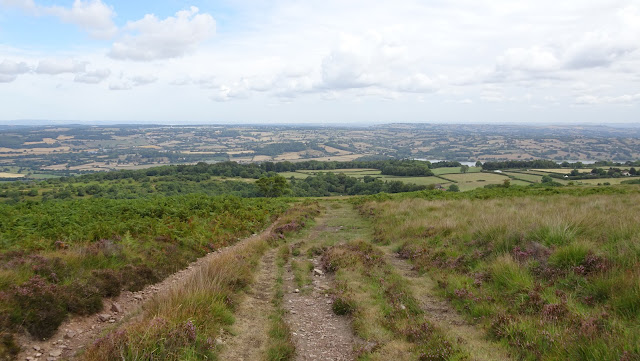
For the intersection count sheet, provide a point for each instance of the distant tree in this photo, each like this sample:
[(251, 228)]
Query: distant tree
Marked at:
[(547, 179), (478, 164), (633, 171), (275, 186), (464, 168), (506, 183), (575, 172), (454, 188)]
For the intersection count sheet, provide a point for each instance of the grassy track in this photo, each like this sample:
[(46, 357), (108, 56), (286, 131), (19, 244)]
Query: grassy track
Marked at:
[(386, 313), (554, 278)]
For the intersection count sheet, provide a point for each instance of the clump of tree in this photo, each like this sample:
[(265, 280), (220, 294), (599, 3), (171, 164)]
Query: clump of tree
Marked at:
[(275, 186), (413, 168), (331, 184), (511, 164)]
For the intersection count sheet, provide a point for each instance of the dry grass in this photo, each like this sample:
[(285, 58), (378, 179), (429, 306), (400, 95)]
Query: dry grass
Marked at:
[(11, 175), (553, 277), (181, 324)]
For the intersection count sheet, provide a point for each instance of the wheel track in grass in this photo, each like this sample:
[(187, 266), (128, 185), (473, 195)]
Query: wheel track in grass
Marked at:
[(443, 315), (250, 330)]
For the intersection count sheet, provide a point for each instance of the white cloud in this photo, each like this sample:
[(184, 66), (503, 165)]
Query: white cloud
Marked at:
[(355, 52), (25, 5), (9, 70), (418, 83), (120, 85), (597, 100), (343, 70), (57, 66), (151, 38), (534, 59), (143, 79), (92, 77), (597, 49), (225, 93), (93, 16)]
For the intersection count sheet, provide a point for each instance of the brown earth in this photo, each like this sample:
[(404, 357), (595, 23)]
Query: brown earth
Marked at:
[(317, 332)]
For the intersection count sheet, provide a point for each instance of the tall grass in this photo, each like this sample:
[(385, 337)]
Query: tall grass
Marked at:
[(387, 313), (555, 277), (183, 323)]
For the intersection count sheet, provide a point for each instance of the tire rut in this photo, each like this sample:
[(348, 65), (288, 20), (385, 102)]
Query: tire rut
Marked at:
[(318, 333), (445, 316), (252, 316)]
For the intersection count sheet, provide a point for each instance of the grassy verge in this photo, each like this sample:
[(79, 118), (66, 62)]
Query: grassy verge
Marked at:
[(281, 346), (384, 311), (554, 278), (183, 324)]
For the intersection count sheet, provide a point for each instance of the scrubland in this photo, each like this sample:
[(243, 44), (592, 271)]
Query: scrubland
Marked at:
[(552, 277)]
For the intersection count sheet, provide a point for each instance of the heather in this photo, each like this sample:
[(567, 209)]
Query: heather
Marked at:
[(64, 257), (551, 277)]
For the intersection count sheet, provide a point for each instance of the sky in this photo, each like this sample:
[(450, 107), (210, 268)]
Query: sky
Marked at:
[(320, 61)]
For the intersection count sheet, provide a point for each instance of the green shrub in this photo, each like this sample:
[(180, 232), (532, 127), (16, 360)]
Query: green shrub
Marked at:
[(569, 256), (343, 306), (40, 308), (508, 276)]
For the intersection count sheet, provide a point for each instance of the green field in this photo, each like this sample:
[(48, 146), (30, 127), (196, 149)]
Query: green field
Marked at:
[(416, 180), (356, 173), (556, 170), (535, 178), (602, 181), (469, 181), (451, 170)]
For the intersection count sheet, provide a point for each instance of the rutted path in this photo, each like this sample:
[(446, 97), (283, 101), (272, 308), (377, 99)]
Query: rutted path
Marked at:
[(77, 333), (317, 332), (252, 316), (444, 315)]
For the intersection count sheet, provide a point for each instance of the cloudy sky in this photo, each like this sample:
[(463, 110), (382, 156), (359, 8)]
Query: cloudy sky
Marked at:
[(320, 61)]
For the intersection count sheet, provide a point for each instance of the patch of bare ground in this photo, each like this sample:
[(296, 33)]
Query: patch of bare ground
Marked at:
[(252, 316), (79, 332), (444, 316), (317, 332)]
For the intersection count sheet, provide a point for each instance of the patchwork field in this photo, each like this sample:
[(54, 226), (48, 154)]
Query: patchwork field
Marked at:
[(466, 181)]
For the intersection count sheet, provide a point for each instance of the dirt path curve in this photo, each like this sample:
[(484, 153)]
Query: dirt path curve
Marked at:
[(252, 316), (75, 334), (444, 315), (318, 334)]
